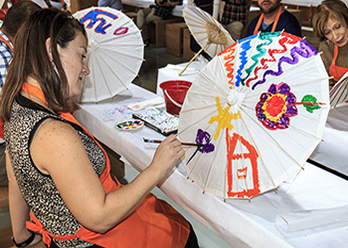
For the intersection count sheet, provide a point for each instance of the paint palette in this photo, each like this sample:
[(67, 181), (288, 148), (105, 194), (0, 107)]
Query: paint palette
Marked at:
[(159, 120), (129, 125)]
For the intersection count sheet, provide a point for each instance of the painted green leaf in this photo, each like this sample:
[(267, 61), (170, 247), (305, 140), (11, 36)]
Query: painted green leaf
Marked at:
[(312, 103)]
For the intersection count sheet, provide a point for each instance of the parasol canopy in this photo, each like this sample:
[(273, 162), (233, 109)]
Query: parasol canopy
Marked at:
[(208, 32), (115, 52), (260, 108), (339, 92)]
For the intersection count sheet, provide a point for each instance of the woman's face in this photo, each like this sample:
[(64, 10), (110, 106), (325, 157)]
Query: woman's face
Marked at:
[(74, 63), (336, 31)]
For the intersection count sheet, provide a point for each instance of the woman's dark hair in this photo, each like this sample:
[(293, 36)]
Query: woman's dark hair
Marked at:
[(335, 9), (30, 58)]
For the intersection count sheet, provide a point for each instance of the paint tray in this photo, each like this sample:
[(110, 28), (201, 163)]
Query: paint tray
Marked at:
[(159, 120)]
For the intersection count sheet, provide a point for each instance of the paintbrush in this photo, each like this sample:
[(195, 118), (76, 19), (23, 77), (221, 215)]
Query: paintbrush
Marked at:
[(183, 143)]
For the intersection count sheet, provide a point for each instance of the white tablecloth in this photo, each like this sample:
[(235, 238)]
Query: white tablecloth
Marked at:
[(240, 222), (332, 151)]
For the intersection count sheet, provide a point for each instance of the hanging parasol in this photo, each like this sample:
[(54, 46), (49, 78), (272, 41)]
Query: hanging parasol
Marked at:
[(115, 52), (260, 108), (208, 32), (339, 92)]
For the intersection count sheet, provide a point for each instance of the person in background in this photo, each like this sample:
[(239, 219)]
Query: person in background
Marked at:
[(330, 25), (59, 4), (115, 4), (274, 18), (57, 171), (234, 16), (207, 6), (160, 11), (14, 19)]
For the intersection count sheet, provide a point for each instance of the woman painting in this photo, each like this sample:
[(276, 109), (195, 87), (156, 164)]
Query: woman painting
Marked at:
[(330, 26), (57, 171)]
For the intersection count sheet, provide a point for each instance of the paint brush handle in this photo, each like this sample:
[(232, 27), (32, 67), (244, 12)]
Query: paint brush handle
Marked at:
[(191, 144), (182, 143), (152, 141)]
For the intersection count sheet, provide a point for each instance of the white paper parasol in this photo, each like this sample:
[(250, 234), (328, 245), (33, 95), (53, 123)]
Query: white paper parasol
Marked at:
[(115, 52), (339, 93), (208, 32), (260, 108)]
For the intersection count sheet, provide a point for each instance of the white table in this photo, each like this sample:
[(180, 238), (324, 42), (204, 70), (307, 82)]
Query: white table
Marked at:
[(239, 222), (332, 151)]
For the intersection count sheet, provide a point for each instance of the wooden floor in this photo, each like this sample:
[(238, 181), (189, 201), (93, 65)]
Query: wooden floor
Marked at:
[(6, 242), (5, 237)]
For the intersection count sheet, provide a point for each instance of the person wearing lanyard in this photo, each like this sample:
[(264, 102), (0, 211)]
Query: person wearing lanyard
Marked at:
[(330, 26), (14, 19), (274, 18)]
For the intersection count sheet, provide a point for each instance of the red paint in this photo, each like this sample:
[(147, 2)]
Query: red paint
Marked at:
[(231, 159), (229, 64), (121, 30), (275, 105)]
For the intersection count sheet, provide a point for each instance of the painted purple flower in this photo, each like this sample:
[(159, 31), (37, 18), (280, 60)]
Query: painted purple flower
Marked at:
[(276, 107), (203, 138)]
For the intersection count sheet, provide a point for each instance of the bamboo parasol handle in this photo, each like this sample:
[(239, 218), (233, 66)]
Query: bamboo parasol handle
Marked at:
[(182, 71)]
